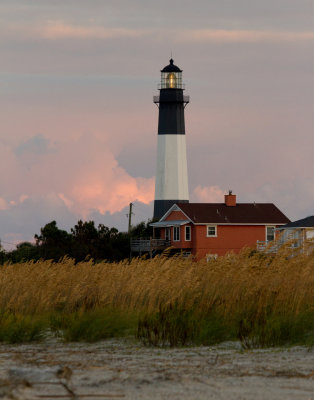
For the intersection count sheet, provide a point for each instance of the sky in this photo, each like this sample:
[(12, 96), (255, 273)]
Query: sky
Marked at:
[(78, 127)]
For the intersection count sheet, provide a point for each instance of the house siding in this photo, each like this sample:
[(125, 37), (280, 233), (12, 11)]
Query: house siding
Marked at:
[(175, 215), (230, 238)]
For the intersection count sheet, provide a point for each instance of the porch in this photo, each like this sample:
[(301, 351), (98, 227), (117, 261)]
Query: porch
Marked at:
[(150, 245)]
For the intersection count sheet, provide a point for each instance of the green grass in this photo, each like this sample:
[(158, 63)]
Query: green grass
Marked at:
[(276, 330), (175, 326), (84, 326), (93, 325), (17, 328), (171, 326)]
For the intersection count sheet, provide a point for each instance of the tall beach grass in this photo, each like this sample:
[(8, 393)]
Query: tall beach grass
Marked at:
[(260, 299)]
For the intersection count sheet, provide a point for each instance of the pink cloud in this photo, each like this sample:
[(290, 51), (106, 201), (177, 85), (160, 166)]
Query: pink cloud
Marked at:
[(59, 30), (247, 36), (3, 204), (54, 30), (69, 203), (209, 194), (109, 190), (83, 174)]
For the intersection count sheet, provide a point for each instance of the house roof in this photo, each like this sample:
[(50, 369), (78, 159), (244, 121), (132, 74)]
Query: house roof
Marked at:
[(307, 222), (242, 213), (162, 224)]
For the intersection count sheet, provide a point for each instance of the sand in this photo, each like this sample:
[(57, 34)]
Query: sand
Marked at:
[(125, 369)]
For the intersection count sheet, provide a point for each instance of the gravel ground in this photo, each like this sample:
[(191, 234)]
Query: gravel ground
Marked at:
[(125, 369)]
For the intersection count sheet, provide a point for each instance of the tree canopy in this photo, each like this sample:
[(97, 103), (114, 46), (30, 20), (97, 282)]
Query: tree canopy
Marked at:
[(84, 240)]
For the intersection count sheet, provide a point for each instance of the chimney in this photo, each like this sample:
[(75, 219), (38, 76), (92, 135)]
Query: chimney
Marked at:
[(230, 199)]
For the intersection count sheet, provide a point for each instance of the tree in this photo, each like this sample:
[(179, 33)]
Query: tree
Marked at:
[(54, 243), (112, 244), (142, 230), (24, 251), (84, 240)]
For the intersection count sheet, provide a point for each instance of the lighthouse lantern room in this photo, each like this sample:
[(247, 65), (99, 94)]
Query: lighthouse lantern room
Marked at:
[(171, 173)]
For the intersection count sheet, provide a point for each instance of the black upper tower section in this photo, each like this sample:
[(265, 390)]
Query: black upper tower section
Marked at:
[(171, 101)]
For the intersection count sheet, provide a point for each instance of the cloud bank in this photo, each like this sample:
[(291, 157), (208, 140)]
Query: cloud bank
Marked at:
[(59, 30), (71, 178)]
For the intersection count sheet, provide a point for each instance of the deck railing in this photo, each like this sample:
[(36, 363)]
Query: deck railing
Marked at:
[(274, 245), (148, 245), (266, 246)]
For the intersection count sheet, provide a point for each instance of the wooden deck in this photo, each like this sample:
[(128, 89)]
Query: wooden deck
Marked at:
[(149, 245)]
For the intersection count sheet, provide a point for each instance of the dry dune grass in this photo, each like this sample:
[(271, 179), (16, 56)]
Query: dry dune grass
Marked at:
[(228, 285)]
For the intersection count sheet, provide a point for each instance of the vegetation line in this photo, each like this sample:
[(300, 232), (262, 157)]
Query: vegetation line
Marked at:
[(258, 299)]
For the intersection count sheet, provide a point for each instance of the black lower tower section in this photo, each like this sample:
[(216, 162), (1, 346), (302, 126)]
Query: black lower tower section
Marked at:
[(162, 206)]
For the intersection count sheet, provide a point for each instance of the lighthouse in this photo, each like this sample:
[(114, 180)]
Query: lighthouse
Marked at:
[(171, 184)]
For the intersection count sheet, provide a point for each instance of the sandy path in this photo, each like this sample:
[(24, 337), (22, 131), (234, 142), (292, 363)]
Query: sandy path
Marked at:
[(124, 369)]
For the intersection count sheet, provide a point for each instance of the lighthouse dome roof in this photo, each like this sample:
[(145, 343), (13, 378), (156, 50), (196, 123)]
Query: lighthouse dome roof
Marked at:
[(171, 67)]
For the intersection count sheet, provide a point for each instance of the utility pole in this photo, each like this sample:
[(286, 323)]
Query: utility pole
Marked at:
[(130, 218), (129, 229)]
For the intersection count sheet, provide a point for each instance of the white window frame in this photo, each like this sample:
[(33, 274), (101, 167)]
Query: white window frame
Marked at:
[(167, 233), (176, 237), (211, 226), (269, 226), (186, 228)]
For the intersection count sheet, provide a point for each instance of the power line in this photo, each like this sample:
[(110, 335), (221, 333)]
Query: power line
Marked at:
[(3, 241), (139, 212)]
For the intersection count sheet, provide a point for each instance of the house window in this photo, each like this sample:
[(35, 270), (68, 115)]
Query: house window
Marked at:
[(270, 233), (176, 233), (211, 231), (168, 234), (187, 233)]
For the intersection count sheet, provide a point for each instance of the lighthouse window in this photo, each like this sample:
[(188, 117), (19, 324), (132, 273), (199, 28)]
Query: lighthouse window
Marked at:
[(187, 233), (211, 230), (176, 233), (171, 80)]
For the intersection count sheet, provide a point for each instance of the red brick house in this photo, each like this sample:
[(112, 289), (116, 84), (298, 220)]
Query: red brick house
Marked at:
[(214, 229)]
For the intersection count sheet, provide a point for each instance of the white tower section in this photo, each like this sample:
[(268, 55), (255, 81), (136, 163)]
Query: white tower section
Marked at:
[(171, 171)]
